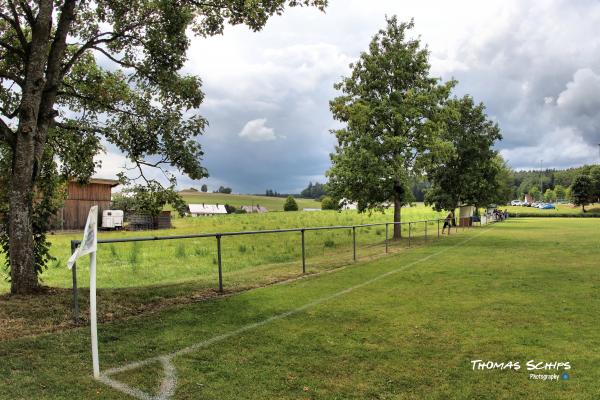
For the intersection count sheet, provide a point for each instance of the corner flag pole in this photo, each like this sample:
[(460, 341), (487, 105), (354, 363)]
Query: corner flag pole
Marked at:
[(93, 318), (89, 245)]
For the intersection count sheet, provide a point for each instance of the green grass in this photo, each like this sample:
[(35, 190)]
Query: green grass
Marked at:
[(524, 289), (149, 263), (238, 200), (560, 209)]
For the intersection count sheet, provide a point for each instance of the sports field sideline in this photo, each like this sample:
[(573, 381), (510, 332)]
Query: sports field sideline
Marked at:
[(404, 327)]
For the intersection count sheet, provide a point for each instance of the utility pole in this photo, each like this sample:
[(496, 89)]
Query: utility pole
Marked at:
[(541, 179)]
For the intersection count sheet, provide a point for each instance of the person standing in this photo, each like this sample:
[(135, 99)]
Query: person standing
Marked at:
[(448, 222)]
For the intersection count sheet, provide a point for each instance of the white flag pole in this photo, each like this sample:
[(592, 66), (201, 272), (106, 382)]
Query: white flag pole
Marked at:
[(93, 322)]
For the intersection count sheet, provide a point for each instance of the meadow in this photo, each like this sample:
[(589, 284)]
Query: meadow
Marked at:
[(139, 277), (407, 326), (562, 209), (238, 200)]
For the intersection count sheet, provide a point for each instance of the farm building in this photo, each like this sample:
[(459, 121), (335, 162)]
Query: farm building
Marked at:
[(348, 205), (80, 198), (197, 210), (255, 209)]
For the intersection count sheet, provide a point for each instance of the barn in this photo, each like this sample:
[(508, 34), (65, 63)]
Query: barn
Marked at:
[(80, 198)]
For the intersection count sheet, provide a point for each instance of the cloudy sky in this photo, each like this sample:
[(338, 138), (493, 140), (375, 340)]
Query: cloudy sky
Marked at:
[(535, 64)]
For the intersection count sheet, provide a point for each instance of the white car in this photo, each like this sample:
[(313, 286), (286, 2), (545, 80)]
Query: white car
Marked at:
[(516, 203)]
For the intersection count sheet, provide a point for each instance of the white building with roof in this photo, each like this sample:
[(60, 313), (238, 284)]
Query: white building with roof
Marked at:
[(197, 210)]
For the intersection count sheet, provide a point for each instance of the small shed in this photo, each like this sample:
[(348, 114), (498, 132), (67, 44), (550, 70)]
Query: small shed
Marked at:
[(255, 209), (465, 214), (80, 198), (197, 210)]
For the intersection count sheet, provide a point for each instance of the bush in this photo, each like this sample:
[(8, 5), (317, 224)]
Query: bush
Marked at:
[(230, 209), (328, 204), (290, 204)]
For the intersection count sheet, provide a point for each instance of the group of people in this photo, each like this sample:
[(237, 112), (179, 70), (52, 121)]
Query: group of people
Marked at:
[(495, 214), (500, 215)]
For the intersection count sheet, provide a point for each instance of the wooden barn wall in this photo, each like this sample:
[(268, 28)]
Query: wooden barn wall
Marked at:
[(75, 212), (76, 208), (92, 191)]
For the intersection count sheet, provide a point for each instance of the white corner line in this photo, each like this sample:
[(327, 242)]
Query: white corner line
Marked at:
[(169, 383)]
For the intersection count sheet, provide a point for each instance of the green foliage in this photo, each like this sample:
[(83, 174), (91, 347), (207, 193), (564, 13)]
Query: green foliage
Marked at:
[(75, 73), (329, 204), (150, 199), (549, 196), (290, 204), (595, 177), (223, 189), (582, 191), (389, 106), (535, 192), (231, 209), (49, 197), (560, 192), (314, 191), (466, 170)]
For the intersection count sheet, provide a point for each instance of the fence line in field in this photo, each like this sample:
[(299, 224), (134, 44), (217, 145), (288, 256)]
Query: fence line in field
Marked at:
[(218, 236)]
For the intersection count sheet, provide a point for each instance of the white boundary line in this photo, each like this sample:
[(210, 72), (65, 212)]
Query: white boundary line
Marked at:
[(169, 383)]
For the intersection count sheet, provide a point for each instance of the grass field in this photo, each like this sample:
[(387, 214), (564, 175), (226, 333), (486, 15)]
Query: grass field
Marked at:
[(142, 277), (238, 200), (401, 327), (560, 209)]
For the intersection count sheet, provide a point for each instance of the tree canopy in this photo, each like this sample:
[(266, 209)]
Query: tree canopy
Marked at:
[(76, 75), (582, 191), (468, 170), (388, 106)]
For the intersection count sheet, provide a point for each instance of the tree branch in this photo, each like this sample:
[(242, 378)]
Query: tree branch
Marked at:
[(6, 134), (14, 22)]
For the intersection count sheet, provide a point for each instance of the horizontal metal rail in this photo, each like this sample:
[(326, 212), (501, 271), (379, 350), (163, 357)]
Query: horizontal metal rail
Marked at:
[(207, 235), (219, 235)]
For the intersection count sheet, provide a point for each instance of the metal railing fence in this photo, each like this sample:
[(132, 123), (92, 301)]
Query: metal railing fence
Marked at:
[(302, 231)]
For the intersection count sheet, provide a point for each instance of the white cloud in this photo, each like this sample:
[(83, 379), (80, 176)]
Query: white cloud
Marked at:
[(257, 131)]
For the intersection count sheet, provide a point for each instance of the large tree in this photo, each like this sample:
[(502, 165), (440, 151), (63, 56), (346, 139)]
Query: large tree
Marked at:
[(469, 171), (75, 74), (389, 106)]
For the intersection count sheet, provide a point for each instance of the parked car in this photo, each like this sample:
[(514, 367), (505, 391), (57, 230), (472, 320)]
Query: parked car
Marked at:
[(548, 207), (516, 203)]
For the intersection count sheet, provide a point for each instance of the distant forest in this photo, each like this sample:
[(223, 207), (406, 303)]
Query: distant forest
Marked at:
[(521, 183)]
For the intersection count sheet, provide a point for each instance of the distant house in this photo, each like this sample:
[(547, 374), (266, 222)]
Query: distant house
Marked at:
[(197, 210), (80, 198), (346, 204), (255, 209)]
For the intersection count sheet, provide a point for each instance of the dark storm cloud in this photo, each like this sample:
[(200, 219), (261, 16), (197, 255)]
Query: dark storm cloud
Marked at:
[(535, 65)]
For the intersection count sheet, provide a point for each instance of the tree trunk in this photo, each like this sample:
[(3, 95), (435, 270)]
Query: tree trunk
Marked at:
[(29, 144), (397, 219), (20, 231)]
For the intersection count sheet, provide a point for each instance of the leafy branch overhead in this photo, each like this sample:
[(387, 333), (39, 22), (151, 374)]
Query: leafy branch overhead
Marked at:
[(76, 75)]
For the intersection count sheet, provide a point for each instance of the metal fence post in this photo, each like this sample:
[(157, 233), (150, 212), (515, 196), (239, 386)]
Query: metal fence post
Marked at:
[(409, 232), (303, 253), (438, 223), (354, 243), (219, 263), (425, 230), (75, 291), (386, 236)]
